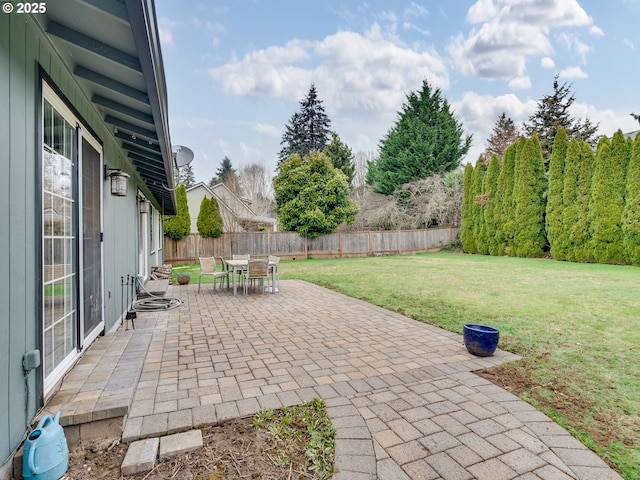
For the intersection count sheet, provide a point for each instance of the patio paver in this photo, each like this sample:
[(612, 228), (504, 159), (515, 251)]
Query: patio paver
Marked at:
[(400, 393)]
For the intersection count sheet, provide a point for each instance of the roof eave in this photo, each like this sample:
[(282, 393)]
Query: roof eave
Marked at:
[(142, 19)]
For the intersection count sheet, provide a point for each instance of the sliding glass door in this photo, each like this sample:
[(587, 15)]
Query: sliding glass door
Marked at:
[(72, 299)]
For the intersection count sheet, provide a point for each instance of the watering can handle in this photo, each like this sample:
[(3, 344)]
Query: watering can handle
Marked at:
[(32, 452), (42, 423)]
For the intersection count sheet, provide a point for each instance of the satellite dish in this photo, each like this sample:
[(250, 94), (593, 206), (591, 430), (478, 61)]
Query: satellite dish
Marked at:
[(182, 155)]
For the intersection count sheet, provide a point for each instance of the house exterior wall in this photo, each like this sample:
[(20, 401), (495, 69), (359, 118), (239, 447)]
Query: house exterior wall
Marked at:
[(25, 52)]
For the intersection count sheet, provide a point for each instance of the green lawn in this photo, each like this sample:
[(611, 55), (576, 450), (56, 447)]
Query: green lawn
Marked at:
[(577, 327)]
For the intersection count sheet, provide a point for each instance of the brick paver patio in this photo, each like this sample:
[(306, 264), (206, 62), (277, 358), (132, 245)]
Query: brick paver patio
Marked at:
[(400, 393)]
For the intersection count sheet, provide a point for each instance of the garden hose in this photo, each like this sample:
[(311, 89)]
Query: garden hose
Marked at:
[(153, 303)]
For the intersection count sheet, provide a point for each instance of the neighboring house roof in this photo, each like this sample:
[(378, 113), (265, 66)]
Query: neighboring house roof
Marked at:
[(113, 50), (632, 135), (230, 202)]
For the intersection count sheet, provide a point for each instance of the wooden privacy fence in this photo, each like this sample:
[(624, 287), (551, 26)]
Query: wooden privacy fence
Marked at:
[(290, 245)]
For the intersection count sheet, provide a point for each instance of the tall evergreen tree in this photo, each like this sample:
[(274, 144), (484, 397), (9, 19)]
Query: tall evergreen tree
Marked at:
[(608, 199), (179, 225), (552, 114), (308, 130), (228, 175), (187, 176), (341, 156), (555, 202), (478, 207), (427, 138), (631, 212), (528, 190), (560, 238), (466, 223), (579, 226), (209, 221), (505, 133), (490, 188), (505, 205)]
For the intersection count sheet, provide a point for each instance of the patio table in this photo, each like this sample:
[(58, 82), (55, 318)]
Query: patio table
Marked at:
[(236, 267)]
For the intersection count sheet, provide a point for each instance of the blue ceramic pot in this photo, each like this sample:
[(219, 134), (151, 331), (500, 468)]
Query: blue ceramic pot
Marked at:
[(481, 340)]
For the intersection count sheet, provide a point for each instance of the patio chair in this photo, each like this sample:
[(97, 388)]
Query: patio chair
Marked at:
[(256, 270), (208, 267)]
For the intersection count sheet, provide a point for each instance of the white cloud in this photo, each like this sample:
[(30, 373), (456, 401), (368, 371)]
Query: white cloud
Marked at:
[(596, 31), (520, 83), (573, 44), (370, 71), (479, 113), (165, 31), (629, 44), (547, 63), (166, 36), (250, 153), (223, 145), (269, 130), (509, 32), (572, 72)]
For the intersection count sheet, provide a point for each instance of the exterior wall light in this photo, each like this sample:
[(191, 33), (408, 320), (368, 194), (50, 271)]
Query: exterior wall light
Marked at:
[(119, 181), (144, 205)]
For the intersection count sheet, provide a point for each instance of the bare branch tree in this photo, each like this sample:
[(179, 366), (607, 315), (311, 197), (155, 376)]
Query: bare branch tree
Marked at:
[(255, 181)]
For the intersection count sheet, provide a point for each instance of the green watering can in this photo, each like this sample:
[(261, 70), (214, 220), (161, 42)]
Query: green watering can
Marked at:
[(46, 455)]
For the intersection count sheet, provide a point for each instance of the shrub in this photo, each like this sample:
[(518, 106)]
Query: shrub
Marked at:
[(178, 226), (209, 218)]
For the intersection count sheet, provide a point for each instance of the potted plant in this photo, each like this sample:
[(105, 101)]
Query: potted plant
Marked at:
[(183, 278), (481, 340)]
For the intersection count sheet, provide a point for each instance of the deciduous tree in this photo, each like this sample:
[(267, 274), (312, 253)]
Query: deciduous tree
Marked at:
[(256, 186)]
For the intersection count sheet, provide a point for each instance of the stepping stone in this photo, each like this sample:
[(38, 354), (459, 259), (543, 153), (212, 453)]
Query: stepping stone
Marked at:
[(141, 456), (180, 443)]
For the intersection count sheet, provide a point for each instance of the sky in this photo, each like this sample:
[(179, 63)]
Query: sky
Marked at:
[(237, 70)]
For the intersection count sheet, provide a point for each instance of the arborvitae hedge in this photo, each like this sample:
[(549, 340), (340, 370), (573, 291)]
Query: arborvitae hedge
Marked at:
[(466, 224), (555, 203), (580, 230), (631, 212), (561, 245), (179, 226), (504, 201), (528, 191), (209, 218), (490, 188), (478, 206), (591, 208), (607, 199)]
